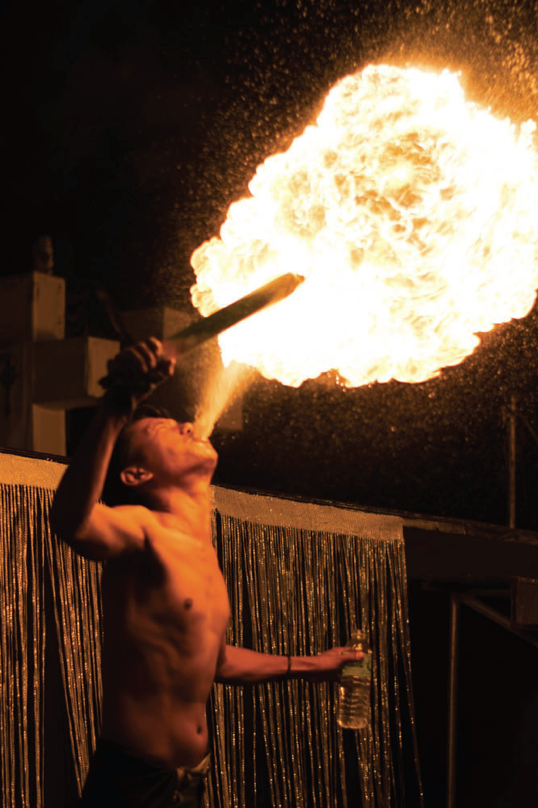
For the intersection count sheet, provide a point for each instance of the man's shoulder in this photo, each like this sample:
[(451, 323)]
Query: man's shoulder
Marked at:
[(154, 524), (137, 516), (137, 511)]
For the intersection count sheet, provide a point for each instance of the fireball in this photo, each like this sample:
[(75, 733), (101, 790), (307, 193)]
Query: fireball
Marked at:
[(411, 211)]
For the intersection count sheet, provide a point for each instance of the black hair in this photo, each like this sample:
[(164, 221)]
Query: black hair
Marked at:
[(115, 492)]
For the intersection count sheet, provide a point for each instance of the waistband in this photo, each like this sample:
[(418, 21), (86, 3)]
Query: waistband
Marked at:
[(194, 772)]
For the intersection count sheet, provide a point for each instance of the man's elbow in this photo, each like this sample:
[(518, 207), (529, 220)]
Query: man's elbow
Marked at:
[(76, 536), (68, 526)]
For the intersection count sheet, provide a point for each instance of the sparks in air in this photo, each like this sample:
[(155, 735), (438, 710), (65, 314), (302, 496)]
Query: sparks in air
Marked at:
[(413, 214)]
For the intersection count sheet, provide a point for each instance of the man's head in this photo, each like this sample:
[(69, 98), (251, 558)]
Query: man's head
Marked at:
[(155, 453)]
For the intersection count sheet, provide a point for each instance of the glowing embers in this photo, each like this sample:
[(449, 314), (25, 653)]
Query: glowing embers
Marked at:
[(413, 214)]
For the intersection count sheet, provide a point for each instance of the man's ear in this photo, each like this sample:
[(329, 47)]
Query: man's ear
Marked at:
[(135, 475)]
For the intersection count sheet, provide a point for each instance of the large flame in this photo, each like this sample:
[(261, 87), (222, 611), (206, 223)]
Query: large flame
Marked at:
[(413, 214)]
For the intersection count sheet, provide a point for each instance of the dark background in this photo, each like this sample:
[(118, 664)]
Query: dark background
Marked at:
[(129, 127)]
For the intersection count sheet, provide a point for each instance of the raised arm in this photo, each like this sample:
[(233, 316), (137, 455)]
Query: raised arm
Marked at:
[(240, 666), (92, 529)]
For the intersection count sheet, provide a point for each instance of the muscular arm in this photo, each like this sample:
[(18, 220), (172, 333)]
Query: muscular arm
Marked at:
[(93, 529), (241, 666)]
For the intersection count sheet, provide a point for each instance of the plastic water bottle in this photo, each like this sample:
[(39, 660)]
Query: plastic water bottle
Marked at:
[(355, 685)]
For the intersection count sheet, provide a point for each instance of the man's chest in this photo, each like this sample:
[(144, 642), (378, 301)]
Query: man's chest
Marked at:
[(180, 584)]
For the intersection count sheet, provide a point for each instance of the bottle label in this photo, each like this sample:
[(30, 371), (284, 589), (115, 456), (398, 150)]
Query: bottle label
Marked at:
[(362, 668)]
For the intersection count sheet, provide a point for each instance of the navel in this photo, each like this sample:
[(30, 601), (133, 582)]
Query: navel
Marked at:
[(188, 603)]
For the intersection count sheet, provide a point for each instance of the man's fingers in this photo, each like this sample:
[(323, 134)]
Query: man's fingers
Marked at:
[(167, 366), (136, 371), (352, 656), (155, 345), (141, 358), (146, 357)]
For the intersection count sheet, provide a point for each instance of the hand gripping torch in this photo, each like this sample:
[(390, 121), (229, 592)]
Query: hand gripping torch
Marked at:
[(195, 334)]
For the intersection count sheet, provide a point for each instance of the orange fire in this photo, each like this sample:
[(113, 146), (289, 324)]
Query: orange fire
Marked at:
[(413, 215)]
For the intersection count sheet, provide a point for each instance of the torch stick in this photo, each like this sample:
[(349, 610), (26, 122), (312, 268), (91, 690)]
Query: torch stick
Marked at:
[(192, 336), (195, 334)]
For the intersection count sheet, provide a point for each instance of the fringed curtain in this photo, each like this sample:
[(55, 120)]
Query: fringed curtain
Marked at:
[(33, 565), (76, 588), (22, 653), (300, 577)]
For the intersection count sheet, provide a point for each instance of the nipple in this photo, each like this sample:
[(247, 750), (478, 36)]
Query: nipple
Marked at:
[(188, 603)]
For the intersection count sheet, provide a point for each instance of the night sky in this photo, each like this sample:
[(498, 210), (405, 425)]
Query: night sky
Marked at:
[(131, 126)]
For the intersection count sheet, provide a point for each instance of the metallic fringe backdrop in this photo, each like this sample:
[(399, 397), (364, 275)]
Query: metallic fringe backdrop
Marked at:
[(300, 577), (33, 564)]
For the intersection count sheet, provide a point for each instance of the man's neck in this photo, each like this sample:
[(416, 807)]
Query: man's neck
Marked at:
[(187, 509)]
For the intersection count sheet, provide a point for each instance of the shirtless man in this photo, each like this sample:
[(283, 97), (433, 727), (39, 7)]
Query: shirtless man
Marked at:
[(164, 598)]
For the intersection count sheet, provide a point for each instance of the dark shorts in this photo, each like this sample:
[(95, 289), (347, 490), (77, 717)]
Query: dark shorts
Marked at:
[(123, 778)]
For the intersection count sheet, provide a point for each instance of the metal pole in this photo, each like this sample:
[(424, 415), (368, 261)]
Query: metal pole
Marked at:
[(512, 423), (453, 701)]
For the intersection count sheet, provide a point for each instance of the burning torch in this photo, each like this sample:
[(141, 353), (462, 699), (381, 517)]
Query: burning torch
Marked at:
[(195, 334)]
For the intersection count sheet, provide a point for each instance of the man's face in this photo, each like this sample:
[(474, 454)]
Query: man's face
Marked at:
[(170, 450)]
